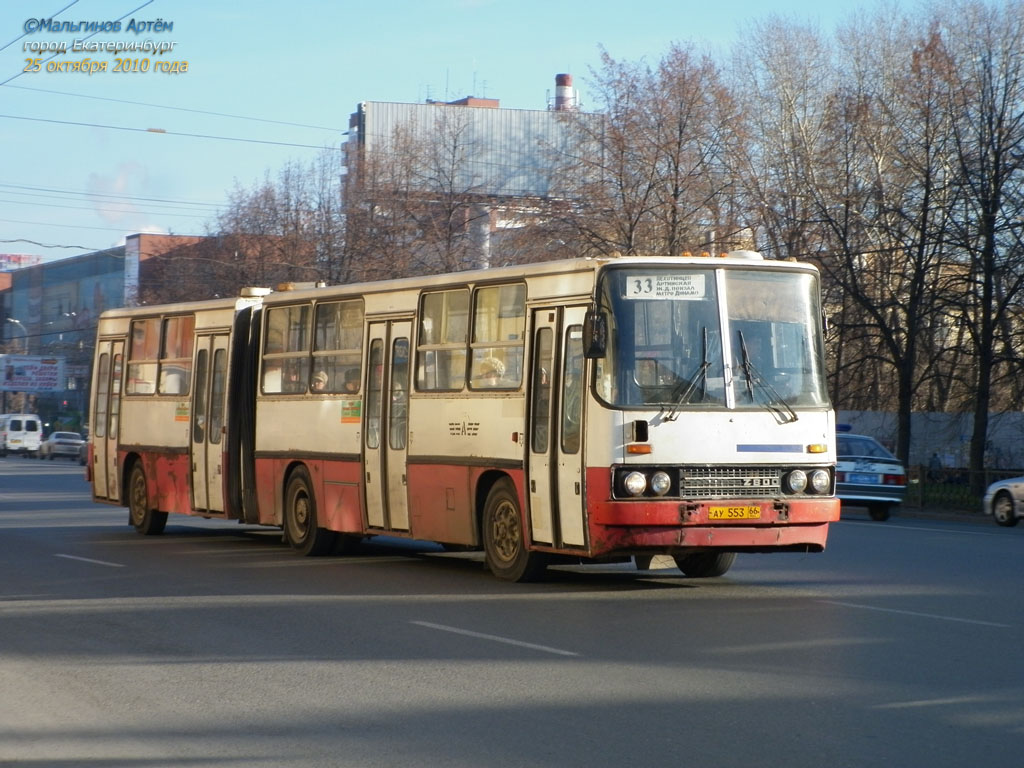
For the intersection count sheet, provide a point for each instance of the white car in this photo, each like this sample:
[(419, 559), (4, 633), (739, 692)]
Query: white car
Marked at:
[(61, 444), (1004, 500), (867, 475)]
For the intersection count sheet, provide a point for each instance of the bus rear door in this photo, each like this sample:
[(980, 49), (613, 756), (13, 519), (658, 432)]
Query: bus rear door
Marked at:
[(106, 419)]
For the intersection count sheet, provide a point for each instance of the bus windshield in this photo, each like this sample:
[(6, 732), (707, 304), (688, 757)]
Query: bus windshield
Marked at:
[(686, 338)]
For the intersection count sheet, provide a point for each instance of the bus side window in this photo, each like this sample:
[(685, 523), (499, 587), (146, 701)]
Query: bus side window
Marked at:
[(373, 394), (572, 390), (199, 410), (271, 377), (541, 405)]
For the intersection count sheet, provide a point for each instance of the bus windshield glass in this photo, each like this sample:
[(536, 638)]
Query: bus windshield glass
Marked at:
[(687, 338)]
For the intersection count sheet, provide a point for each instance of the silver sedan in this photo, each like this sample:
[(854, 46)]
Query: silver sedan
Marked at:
[(1004, 500)]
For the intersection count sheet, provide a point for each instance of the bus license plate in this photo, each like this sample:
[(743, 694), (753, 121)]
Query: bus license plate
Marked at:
[(747, 512)]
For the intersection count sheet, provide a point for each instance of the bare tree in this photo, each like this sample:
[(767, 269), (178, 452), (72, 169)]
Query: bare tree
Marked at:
[(987, 86), (647, 175)]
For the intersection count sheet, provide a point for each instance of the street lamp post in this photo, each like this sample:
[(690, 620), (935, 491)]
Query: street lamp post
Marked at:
[(24, 334), (24, 351)]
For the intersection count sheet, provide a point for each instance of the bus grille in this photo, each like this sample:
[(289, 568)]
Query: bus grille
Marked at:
[(720, 482)]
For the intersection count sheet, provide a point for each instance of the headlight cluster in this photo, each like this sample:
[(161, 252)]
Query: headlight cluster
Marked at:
[(646, 482), (676, 482), (816, 482)]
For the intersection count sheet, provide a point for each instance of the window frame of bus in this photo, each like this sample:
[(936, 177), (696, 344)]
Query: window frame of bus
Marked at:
[(434, 338), (153, 357), (337, 361), (509, 351), (286, 350)]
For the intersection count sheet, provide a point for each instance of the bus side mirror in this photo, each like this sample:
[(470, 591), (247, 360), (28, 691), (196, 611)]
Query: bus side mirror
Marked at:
[(595, 334)]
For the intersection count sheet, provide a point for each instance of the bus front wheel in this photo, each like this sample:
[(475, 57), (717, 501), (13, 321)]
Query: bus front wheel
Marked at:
[(300, 520), (145, 520), (705, 565), (504, 543)]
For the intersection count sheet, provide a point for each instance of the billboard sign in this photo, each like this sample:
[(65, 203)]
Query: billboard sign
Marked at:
[(29, 373)]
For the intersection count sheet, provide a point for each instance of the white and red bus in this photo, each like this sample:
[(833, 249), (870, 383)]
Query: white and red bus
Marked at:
[(584, 410)]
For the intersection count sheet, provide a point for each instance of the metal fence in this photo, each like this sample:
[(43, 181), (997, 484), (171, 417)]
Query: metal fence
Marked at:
[(950, 489)]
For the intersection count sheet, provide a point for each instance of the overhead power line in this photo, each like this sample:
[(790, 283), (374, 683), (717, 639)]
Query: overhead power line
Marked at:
[(176, 109), (48, 245), (66, 226), (104, 208), (164, 132), (87, 37), (23, 34), (102, 200)]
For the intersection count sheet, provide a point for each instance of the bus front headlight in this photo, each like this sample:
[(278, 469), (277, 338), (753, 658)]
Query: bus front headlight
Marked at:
[(635, 483), (796, 481), (660, 483), (819, 481)]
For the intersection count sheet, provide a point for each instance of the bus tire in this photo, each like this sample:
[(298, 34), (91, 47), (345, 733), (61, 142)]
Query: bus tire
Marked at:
[(705, 565), (300, 521), (504, 543), (147, 521)]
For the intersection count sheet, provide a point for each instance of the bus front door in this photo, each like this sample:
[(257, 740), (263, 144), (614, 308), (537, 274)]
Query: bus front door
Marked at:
[(386, 426), (557, 395), (106, 418), (206, 432)]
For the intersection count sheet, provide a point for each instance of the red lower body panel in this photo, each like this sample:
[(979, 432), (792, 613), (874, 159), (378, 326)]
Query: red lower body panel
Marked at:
[(168, 480), (617, 526)]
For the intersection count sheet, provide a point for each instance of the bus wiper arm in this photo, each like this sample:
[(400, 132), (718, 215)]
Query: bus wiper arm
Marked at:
[(699, 376), (773, 401)]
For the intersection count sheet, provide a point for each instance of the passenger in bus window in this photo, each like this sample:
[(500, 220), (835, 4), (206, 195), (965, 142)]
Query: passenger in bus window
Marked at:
[(320, 381), (352, 381), (491, 371), (293, 382)]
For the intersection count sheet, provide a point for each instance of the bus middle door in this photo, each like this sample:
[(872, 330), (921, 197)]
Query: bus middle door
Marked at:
[(386, 429), (206, 434)]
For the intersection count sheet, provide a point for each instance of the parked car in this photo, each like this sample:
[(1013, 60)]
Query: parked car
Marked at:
[(867, 475), (1004, 500), (61, 444)]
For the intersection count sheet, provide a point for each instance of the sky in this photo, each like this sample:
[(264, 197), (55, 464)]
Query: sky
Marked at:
[(268, 83)]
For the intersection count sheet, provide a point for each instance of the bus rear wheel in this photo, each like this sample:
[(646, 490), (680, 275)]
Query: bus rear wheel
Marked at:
[(504, 543), (300, 521), (145, 520), (705, 565)]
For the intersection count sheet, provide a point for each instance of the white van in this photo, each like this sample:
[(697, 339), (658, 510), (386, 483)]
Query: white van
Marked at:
[(20, 433)]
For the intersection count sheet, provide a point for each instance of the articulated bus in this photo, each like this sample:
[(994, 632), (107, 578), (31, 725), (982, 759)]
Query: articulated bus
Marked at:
[(589, 410)]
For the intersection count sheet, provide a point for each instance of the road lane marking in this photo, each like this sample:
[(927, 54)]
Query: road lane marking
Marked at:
[(495, 638), (898, 526), (90, 560), (921, 615), (958, 701)]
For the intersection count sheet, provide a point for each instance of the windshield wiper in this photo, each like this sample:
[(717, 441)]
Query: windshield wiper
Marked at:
[(700, 376), (773, 400)]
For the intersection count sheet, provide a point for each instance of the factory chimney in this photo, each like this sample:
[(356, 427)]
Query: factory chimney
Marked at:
[(565, 99)]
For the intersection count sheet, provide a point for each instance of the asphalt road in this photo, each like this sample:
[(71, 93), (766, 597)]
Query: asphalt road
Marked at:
[(215, 645)]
